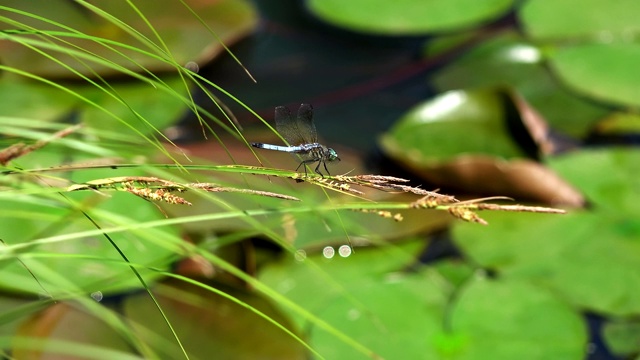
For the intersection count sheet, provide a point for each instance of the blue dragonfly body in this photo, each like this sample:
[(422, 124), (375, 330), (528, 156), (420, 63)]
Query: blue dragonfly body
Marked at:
[(302, 137)]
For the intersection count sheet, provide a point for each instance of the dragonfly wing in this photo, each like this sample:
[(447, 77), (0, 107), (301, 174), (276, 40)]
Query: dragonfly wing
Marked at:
[(287, 126), (305, 124)]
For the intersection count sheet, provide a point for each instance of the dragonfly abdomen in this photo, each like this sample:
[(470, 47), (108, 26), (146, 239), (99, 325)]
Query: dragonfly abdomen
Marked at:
[(303, 148)]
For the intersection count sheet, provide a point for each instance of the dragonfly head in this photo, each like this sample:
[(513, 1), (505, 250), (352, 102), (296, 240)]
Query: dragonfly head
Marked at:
[(332, 155)]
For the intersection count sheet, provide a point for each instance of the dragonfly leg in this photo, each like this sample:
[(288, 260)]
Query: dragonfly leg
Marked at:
[(325, 167), (318, 168), (310, 161), (304, 167)]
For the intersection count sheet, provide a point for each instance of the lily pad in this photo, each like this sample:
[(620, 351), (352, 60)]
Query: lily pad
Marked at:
[(408, 17), (511, 319), (29, 100), (622, 337), (601, 71), (134, 106), (593, 19), (588, 257), (391, 314), (619, 124), (592, 51), (183, 34), (464, 140), (451, 124), (123, 108), (510, 60), (56, 267), (299, 280)]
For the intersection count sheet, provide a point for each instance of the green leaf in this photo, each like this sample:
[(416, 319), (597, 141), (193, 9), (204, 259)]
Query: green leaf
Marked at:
[(622, 336), (619, 124), (29, 100), (57, 257), (593, 51), (511, 319), (511, 61), (183, 37), (403, 315), (455, 122), (407, 17), (592, 19), (588, 257), (140, 106), (601, 71)]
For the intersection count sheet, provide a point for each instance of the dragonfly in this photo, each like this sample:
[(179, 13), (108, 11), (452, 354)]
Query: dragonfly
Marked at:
[(302, 138)]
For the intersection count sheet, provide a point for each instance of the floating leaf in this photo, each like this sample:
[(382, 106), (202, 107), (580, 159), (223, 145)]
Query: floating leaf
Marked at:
[(510, 60), (601, 71), (185, 37), (46, 228), (407, 315), (622, 337), (450, 124), (593, 19), (593, 51), (440, 138), (510, 319), (408, 17), (588, 257)]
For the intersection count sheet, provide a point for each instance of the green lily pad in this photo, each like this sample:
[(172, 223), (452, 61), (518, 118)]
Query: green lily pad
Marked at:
[(59, 266), (602, 71), (592, 51), (588, 257), (467, 140), (451, 124), (408, 17), (155, 109), (593, 19), (619, 124), (391, 314), (511, 319), (29, 100), (183, 34), (622, 337), (509, 60), (299, 280), (610, 178)]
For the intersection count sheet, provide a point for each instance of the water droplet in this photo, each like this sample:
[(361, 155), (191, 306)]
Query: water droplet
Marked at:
[(353, 314), (97, 296), (605, 36), (300, 255), (344, 251), (193, 66), (328, 252)]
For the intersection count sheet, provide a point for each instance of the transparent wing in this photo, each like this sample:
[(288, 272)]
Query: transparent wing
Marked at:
[(287, 126), (305, 124)]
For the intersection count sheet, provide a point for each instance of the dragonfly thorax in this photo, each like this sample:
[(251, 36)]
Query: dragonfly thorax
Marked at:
[(320, 152)]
